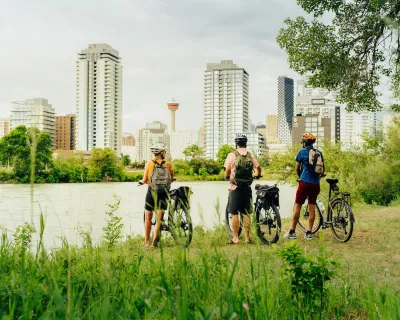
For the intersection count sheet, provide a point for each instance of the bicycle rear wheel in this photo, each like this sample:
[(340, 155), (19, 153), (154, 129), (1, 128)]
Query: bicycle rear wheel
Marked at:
[(268, 224), (303, 219), (180, 225), (342, 220), (228, 223)]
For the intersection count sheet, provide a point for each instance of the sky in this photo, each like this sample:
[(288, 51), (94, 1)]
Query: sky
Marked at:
[(164, 44)]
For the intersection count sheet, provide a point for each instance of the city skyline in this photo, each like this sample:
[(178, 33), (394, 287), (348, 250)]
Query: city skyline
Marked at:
[(167, 63)]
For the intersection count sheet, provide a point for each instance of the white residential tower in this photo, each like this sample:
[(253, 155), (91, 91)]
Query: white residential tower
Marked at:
[(99, 98), (226, 100)]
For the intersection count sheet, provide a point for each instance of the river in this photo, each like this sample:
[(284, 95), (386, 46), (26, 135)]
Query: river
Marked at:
[(67, 206)]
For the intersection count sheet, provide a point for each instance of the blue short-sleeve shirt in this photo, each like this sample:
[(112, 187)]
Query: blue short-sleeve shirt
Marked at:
[(307, 176)]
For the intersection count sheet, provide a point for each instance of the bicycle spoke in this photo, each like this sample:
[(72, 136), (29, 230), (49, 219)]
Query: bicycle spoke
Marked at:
[(268, 226)]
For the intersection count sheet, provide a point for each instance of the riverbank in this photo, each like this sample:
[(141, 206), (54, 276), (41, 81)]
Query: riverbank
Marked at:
[(209, 280)]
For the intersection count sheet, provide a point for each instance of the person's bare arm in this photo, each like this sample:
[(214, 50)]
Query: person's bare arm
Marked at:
[(259, 170), (146, 174), (228, 173), (171, 171)]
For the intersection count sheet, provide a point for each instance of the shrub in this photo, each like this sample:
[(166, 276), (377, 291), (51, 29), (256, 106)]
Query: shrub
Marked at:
[(6, 176)]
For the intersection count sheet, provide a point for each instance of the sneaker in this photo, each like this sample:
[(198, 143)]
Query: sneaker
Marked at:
[(308, 236), (290, 235)]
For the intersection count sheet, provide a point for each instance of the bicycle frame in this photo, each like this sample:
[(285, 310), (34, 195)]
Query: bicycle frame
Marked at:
[(337, 194)]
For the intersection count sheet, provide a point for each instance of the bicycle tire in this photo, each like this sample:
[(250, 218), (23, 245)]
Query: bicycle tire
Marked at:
[(181, 229), (304, 214), (262, 222), (228, 223), (336, 218)]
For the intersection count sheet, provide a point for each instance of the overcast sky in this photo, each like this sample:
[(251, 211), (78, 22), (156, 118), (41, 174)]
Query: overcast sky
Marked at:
[(164, 45)]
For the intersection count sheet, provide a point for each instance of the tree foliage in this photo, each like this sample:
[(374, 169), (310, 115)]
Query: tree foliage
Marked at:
[(223, 153), (193, 151), (104, 165), (16, 150), (126, 160), (370, 172), (352, 54)]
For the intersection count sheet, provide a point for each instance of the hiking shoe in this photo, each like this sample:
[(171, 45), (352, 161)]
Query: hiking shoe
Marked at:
[(308, 236), (290, 235)]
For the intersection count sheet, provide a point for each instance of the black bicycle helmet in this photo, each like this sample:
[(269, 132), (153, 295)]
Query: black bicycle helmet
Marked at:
[(241, 139)]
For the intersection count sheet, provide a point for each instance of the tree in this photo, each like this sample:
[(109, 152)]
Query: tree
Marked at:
[(352, 54), (20, 145), (223, 153), (126, 160), (104, 165), (193, 151)]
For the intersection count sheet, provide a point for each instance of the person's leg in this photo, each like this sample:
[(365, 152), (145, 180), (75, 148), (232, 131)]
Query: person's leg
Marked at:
[(312, 200), (235, 227), (246, 225), (299, 201), (159, 218), (248, 209), (148, 216), (147, 225), (311, 218), (233, 202), (296, 215)]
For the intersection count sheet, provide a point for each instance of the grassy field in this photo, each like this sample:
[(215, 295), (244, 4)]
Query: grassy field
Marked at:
[(209, 280)]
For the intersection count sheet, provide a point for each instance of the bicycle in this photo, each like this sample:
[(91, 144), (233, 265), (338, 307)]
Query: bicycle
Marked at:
[(179, 222), (340, 217), (268, 219)]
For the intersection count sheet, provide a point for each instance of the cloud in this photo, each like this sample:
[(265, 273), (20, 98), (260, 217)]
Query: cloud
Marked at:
[(164, 45)]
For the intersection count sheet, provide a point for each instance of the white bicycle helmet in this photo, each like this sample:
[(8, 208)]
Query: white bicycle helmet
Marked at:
[(157, 148)]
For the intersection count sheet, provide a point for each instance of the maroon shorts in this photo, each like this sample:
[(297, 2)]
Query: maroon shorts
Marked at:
[(308, 191)]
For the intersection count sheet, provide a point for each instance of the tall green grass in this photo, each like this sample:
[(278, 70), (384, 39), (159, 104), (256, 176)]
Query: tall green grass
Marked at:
[(205, 281)]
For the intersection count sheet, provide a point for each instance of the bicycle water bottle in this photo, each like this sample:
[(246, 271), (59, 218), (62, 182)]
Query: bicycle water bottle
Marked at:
[(321, 208)]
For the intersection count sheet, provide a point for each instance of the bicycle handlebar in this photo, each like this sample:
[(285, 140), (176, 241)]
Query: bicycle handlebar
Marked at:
[(141, 183)]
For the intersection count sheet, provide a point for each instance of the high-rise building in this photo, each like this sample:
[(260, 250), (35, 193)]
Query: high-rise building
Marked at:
[(285, 109), (383, 118), (262, 129), (353, 124), (4, 126), (155, 132), (226, 100), (180, 140), (315, 124), (36, 113), (256, 143), (128, 146), (307, 91), (202, 136), (128, 140), (99, 98), (325, 108), (272, 129), (65, 133)]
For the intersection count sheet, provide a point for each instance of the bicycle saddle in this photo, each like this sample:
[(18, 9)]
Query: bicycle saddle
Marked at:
[(332, 181)]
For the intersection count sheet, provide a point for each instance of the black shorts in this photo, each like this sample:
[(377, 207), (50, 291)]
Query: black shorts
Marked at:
[(155, 201), (240, 201)]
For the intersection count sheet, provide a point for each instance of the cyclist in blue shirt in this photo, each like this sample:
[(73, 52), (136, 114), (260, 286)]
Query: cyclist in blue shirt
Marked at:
[(309, 187)]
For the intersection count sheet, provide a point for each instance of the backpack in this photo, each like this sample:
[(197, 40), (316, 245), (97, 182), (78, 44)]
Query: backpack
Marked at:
[(160, 179), (316, 162), (244, 169)]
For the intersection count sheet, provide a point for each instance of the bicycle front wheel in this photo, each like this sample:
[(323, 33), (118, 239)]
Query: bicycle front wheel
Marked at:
[(341, 217), (180, 225), (228, 223), (304, 216), (268, 224)]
